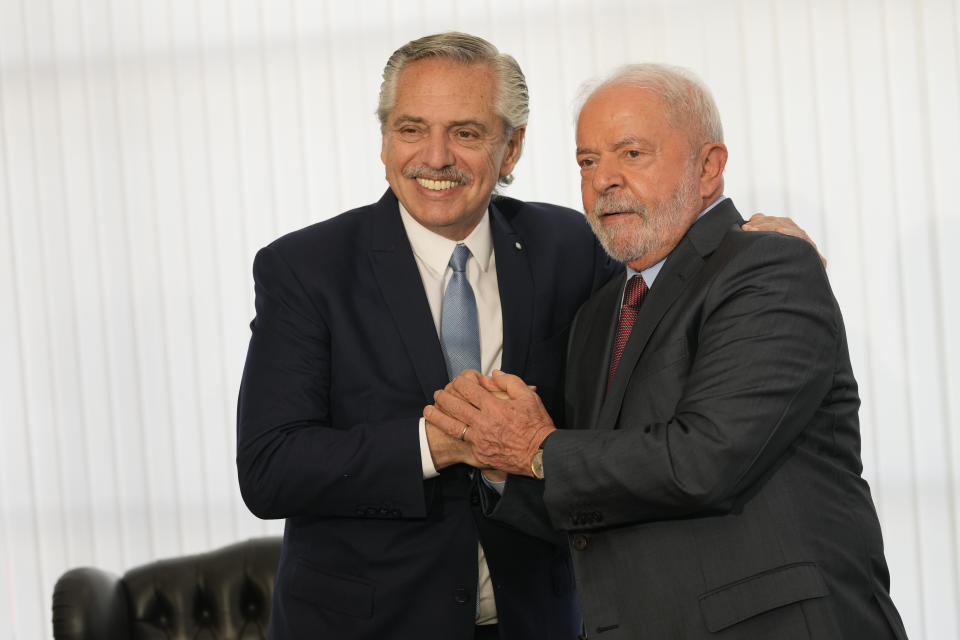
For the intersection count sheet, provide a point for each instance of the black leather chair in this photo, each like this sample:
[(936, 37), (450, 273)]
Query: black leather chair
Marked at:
[(220, 595)]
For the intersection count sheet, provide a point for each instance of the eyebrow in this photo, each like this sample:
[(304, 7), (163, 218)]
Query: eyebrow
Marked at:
[(629, 141), (404, 119), (472, 123)]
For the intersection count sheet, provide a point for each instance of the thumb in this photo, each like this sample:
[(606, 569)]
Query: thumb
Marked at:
[(513, 385), (491, 385)]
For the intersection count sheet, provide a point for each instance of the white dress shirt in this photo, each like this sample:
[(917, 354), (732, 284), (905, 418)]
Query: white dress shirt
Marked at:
[(432, 253)]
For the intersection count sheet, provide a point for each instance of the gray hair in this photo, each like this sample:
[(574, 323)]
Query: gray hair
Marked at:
[(512, 99), (690, 105)]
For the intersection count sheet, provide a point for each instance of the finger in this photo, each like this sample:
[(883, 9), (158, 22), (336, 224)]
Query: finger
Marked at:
[(470, 374), (450, 389), (765, 223), (488, 383), (473, 391), (456, 405), (450, 426), (513, 385), (789, 227), (770, 224)]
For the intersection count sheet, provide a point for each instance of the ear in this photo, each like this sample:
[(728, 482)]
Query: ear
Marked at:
[(713, 158), (383, 148), (512, 154)]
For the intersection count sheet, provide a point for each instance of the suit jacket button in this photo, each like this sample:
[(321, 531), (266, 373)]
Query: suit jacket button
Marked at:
[(580, 542), (461, 595)]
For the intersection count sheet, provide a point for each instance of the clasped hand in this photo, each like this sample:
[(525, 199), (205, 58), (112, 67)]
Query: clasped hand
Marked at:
[(502, 419)]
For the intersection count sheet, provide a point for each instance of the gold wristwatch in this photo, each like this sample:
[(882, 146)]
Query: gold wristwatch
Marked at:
[(536, 465)]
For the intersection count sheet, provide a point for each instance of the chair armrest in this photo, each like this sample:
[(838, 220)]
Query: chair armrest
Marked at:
[(90, 604)]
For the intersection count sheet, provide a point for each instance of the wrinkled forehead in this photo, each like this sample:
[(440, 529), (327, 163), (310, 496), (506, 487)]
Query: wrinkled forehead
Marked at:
[(623, 111)]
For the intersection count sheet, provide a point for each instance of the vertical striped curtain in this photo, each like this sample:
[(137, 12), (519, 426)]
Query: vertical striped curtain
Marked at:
[(149, 148)]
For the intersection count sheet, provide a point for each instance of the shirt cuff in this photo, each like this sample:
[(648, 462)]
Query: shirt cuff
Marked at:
[(426, 460), (496, 486)]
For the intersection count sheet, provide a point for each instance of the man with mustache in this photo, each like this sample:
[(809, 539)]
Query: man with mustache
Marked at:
[(360, 319), (708, 478)]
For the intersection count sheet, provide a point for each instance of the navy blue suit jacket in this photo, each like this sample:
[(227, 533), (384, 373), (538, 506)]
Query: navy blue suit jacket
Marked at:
[(343, 357)]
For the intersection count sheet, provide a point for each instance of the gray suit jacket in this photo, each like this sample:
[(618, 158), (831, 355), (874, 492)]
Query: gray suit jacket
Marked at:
[(714, 490)]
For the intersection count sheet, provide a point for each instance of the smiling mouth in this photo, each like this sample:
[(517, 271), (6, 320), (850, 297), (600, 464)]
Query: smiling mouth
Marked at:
[(436, 185)]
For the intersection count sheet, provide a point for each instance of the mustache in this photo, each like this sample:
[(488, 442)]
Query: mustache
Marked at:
[(453, 174), (618, 203)]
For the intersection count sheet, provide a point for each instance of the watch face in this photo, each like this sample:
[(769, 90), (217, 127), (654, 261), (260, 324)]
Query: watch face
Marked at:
[(537, 465)]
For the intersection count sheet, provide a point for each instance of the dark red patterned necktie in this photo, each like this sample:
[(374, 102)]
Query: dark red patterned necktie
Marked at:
[(632, 297)]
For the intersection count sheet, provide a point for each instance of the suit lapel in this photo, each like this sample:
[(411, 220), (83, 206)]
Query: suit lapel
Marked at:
[(589, 375), (515, 283), (396, 272), (683, 263)]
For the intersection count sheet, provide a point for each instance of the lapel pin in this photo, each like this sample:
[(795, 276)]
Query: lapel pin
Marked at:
[(518, 246)]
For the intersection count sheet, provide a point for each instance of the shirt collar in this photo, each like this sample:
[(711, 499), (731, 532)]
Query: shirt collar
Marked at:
[(434, 250)]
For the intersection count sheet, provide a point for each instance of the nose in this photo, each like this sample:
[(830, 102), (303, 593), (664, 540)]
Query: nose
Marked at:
[(606, 175), (438, 152)]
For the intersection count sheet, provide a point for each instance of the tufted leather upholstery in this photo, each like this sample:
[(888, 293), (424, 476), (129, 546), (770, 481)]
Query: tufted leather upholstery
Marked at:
[(220, 595)]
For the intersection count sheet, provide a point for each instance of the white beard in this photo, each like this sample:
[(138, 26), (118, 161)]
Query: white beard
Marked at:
[(645, 231)]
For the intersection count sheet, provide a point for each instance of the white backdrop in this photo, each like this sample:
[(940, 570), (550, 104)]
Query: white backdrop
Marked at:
[(148, 148)]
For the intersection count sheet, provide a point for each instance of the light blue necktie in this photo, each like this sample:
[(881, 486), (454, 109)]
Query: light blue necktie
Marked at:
[(459, 328)]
